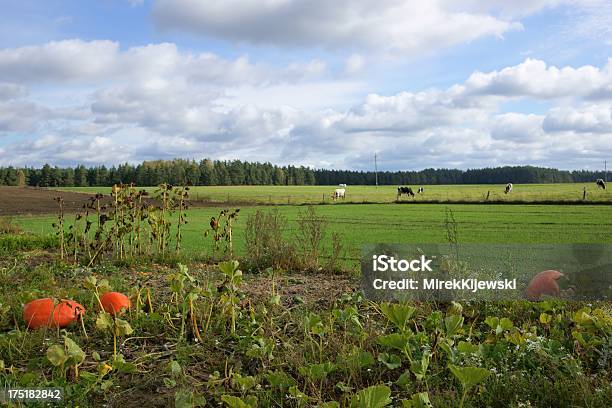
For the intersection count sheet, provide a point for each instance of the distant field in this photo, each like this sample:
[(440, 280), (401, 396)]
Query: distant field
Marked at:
[(566, 192), (376, 223)]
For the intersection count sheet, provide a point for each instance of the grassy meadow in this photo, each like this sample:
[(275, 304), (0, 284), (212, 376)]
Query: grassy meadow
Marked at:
[(251, 195), (359, 224), (250, 333)]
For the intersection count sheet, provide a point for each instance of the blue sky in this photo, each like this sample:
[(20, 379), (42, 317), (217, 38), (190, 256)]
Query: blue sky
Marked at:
[(441, 84)]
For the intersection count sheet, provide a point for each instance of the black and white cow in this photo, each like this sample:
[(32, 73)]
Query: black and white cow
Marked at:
[(404, 190), (508, 188), (420, 190), (601, 184)]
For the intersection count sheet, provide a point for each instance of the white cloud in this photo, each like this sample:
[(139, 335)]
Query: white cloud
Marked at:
[(354, 63), (103, 61), (587, 119), (517, 127), (533, 78), (382, 25), (60, 60), (156, 101)]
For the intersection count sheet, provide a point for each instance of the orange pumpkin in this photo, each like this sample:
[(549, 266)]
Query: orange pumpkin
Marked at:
[(115, 303), (544, 283), (46, 313)]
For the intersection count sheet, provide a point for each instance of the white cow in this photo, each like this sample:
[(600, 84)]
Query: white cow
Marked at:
[(339, 193), (342, 185), (508, 188), (601, 184)]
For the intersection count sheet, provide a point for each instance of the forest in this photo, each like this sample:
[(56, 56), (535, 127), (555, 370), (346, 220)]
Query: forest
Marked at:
[(209, 172)]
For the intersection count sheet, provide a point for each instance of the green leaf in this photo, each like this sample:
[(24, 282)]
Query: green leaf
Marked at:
[(453, 323), (280, 379), (392, 361), (56, 355), (545, 318), (75, 354), (104, 286), (301, 398), (90, 282), (331, 404), (359, 360), (317, 371), (492, 322), (506, 323), (243, 384), (467, 347), (175, 368), (398, 314), (122, 328), (228, 268), (169, 382), (104, 321), (419, 368), (376, 396), (397, 341), (469, 376), (420, 400), (404, 379), (185, 399)]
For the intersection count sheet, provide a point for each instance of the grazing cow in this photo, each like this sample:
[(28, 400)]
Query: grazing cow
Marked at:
[(338, 193), (342, 185), (601, 184), (508, 188), (404, 190), (420, 190)]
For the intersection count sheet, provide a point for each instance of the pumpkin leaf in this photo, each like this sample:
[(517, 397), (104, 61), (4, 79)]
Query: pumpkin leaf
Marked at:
[(419, 368), (453, 323), (104, 321), (73, 351), (469, 376), (56, 355), (391, 361), (420, 400), (122, 328), (398, 314), (376, 396)]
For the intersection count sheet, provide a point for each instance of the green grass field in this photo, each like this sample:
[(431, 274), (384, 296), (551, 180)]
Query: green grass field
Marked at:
[(398, 223), (359, 194), (307, 333)]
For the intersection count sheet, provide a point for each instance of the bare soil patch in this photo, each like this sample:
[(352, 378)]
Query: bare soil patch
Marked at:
[(33, 200)]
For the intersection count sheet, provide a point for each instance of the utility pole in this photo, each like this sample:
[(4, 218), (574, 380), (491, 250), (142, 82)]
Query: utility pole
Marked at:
[(376, 169), (605, 171)]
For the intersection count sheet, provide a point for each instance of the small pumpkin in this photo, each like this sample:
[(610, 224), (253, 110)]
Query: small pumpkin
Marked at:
[(46, 313), (544, 283), (115, 303)]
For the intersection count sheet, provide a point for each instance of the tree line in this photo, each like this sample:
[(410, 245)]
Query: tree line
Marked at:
[(236, 172)]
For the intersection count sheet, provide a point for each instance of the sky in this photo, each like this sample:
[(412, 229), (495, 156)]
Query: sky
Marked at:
[(439, 83)]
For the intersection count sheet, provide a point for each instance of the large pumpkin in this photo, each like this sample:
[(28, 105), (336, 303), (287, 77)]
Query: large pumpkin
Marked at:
[(115, 303), (46, 313), (544, 283)]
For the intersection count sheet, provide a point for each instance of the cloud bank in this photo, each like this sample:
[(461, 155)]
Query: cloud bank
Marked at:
[(75, 101)]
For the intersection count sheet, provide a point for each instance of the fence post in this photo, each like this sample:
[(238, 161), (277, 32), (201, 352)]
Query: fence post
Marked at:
[(288, 199)]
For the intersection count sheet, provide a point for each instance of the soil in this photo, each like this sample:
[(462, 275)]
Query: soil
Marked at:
[(33, 201)]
